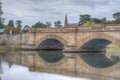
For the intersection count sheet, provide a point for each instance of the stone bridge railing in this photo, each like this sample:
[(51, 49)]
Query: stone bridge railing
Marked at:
[(75, 29)]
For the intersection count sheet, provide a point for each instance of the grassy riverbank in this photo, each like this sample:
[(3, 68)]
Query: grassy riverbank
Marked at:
[(113, 47)]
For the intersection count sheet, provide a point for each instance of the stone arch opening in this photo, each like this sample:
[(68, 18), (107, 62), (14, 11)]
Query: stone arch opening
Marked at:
[(94, 57), (97, 44), (51, 43), (51, 39)]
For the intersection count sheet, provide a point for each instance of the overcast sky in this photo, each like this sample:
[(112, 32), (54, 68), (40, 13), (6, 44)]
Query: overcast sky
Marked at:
[(32, 11)]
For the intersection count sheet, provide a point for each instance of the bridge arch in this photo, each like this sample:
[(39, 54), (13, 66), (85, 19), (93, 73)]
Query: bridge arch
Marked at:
[(52, 37), (101, 38), (95, 44), (98, 42)]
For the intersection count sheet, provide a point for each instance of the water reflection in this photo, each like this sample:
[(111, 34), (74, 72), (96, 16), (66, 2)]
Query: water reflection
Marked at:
[(17, 72), (32, 63), (51, 56), (99, 59)]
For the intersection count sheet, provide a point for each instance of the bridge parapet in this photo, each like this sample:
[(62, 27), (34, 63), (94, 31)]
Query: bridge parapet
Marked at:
[(52, 30), (74, 29)]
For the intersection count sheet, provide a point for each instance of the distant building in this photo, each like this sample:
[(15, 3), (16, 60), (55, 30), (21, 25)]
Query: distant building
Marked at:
[(66, 24)]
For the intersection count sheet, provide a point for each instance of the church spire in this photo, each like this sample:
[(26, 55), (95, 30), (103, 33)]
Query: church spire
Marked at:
[(66, 21)]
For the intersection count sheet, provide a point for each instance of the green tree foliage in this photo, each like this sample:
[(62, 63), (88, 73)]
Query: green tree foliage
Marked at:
[(1, 25), (84, 18), (18, 23), (48, 24), (19, 26), (58, 24), (89, 23), (116, 15), (109, 22), (11, 23), (98, 21), (115, 58), (9, 27), (39, 25), (1, 19), (87, 20), (117, 21)]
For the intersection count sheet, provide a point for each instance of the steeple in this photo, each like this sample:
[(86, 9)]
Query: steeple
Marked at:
[(66, 21)]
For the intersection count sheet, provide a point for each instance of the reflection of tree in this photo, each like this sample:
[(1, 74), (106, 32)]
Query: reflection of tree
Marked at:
[(1, 70)]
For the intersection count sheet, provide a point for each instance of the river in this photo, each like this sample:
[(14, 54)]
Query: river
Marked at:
[(25, 65)]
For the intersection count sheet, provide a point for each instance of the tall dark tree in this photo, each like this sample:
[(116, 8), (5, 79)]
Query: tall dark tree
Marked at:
[(84, 19), (98, 21), (11, 23), (116, 15), (19, 26), (48, 24), (1, 19), (58, 24), (18, 23)]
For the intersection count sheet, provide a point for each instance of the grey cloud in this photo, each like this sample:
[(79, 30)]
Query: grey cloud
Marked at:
[(90, 3), (54, 9), (51, 11)]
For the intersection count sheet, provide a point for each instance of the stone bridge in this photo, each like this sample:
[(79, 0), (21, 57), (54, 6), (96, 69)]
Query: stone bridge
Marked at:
[(69, 38)]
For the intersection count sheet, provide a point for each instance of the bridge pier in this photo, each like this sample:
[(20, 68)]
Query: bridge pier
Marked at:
[(70, 48)]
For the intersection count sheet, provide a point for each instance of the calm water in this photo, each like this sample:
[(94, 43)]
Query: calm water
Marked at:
[(24, 65), (17, 72)]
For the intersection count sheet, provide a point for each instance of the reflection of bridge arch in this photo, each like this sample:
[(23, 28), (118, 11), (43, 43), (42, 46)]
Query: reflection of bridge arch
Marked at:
[(55, 37), (50, 64), (101, 36)]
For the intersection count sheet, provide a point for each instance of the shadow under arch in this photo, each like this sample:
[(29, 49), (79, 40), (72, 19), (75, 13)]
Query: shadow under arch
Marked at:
[(51, 43), (96, 44), (96, 59), (53, 37)]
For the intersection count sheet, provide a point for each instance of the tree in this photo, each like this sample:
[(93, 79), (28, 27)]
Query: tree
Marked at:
[(89, 23), (84, 19), (19, 26), (11, 23), (116, 15), (18, 23), (58, 24), (48, 24), (39, 25), (109, 22), (1, 19), (1, 26), (117, 21), (98, 21)]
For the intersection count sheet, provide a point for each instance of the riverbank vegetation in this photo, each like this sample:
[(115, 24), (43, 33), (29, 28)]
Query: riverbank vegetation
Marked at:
[(113, 47), (87, 20)]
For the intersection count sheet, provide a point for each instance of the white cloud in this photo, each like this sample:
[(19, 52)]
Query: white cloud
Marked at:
[(31, 11)]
